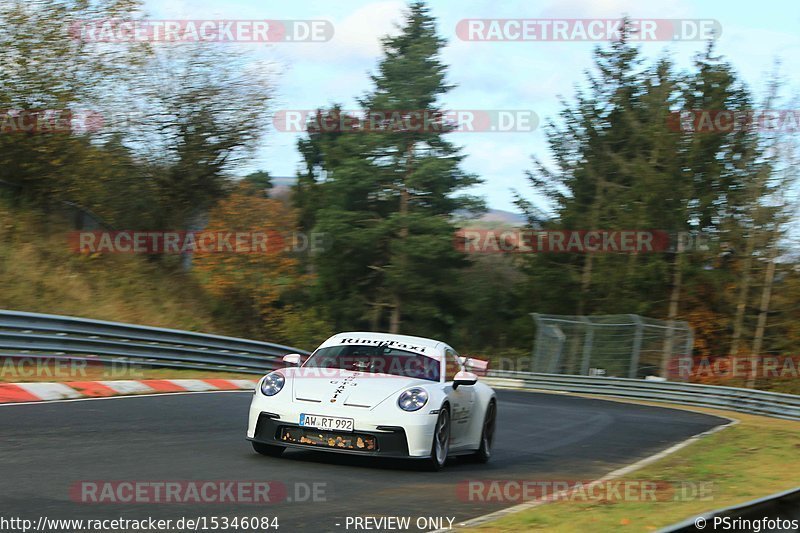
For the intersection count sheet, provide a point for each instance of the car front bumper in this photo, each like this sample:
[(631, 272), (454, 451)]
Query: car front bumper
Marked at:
[(392, 434)]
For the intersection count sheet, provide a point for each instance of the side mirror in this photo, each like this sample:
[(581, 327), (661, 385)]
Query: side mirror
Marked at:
[(464, 378), (478, 366), (293, 359)]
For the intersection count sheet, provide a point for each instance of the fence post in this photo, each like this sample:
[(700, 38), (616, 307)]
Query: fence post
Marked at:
[(588, 342), (556, 364), (689, 346), (689, 339), (637, 347), (536, 351)]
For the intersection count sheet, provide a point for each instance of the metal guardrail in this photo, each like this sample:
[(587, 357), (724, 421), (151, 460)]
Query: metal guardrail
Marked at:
[(783, 507), (742, 400), (35, 334)]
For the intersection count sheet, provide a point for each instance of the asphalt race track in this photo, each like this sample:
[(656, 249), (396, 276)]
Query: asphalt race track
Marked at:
[(46, 448)]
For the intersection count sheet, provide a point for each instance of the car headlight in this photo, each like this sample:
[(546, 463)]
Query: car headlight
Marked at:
[(412, 399), (272, 383)]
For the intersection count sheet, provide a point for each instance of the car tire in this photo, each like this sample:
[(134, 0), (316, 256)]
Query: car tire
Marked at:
[(441, 441), (484, 452), (268, 449)]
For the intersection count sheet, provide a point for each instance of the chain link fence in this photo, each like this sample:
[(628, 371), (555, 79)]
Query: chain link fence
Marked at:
[(630, 346)]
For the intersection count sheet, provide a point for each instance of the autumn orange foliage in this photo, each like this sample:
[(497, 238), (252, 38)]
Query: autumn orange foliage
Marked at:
[(257, 280)]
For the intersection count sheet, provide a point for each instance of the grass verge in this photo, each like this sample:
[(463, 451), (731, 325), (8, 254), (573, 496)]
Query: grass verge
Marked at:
[(757, 457)]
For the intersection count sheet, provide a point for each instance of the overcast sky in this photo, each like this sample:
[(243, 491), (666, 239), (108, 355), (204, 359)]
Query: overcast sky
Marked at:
[(489, 75)]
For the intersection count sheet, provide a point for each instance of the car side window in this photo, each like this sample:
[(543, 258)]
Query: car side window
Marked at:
[(452, 365)]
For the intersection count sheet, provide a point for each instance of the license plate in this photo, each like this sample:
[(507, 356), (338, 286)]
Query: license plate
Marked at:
[(333, 423)]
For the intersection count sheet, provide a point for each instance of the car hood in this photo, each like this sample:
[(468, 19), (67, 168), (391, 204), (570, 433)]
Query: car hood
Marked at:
[(345, 387)]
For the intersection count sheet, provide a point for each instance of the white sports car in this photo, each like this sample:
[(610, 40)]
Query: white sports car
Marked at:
[(376, 394)]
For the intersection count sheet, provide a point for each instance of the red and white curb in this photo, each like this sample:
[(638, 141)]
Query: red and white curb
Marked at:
[(40, 392)]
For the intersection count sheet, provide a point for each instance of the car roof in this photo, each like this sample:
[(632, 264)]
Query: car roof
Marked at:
[(428, 347)]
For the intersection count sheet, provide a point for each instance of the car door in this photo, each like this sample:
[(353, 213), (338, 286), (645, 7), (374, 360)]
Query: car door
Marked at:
[(462, 400)]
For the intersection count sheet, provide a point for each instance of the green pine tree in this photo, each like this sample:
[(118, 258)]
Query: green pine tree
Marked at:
[(388, 196)]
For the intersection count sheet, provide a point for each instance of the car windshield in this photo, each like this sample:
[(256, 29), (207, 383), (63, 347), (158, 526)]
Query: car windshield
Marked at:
[(375, 360)]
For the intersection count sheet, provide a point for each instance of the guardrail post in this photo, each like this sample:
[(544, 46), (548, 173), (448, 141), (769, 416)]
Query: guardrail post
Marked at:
[(588, 341), (637, 347)]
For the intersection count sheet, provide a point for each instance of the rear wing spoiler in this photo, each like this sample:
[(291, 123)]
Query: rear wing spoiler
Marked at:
[(476, 366)]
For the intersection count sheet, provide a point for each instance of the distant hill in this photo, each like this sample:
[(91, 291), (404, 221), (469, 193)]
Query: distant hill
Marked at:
[(503, 217), (281, 188), (492, 218)]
